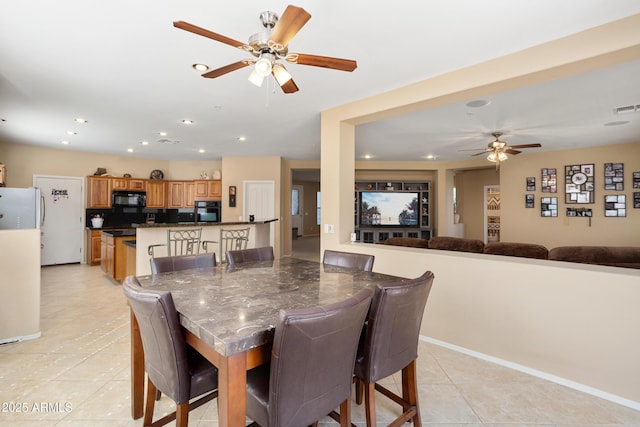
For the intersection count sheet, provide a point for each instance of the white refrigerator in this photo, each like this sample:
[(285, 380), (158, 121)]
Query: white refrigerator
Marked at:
[(20, 218)]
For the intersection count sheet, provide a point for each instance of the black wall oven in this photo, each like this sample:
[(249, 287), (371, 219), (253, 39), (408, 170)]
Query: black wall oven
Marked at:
[(207, 211)]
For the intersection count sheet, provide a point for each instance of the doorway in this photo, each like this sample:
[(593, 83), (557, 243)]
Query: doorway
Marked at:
[(62, 230), (297, 204), (259, 201)]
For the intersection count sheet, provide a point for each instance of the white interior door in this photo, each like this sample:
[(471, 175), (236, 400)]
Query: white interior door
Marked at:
[(259, 201), (297, 208), (62, 231)]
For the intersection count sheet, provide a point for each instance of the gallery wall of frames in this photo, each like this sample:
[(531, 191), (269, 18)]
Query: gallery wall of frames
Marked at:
[(579, 184)]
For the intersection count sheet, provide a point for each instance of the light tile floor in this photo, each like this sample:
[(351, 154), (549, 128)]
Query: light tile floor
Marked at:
[(77, 374)]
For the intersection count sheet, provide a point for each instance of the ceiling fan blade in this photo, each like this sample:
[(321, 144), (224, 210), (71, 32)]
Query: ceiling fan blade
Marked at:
[(291, 21), (511, 151), (323, 61), (206, 33), (289, 87), (481, 153), (226, 69), (525, 146)]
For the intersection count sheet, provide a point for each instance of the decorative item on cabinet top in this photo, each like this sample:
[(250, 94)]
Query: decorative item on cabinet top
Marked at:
[(156, 174)]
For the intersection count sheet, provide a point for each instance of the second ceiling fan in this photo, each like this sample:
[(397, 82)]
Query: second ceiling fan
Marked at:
[(269, 46)]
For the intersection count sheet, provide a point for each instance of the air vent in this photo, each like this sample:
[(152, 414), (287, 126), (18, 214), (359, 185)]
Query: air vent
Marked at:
[(627, 109), (168, 141)]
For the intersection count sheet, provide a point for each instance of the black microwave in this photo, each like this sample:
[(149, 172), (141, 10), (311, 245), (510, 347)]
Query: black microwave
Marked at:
[(129, 199), (207, 211)]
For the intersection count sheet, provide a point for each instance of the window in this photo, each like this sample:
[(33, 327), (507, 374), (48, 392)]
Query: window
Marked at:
[(295, 202), (318, 208)]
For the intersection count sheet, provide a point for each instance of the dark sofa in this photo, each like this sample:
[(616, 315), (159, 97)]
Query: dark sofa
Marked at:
[(616, 256)]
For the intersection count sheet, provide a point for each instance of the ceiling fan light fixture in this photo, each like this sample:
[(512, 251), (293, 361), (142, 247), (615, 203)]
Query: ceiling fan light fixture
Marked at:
[(281, 74), (502, 156), (492, 157), (256, 78), (264, 65)]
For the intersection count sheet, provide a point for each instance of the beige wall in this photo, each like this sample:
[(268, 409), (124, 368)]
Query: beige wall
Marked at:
[(24, 161), (471, 201), (572, 321)]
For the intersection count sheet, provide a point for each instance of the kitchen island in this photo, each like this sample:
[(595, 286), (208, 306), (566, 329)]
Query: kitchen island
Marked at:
[(112, 252), (156, 234)]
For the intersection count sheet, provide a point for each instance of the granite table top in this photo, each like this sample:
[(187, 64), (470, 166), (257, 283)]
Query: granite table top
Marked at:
[(234, 309)]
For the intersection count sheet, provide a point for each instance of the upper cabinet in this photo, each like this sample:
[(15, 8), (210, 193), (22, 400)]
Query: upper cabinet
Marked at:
[(160, 194), (128, 184), (99, 194), (156, 193), (210, 189)]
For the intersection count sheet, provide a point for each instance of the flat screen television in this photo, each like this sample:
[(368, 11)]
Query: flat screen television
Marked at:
[(388, 208)]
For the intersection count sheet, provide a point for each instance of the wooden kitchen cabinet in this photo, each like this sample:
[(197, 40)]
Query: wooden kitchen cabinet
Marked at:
[(114, 255), (210, 189), (181, 194), (156, 193), (133, 184), (95, 242), (99, 194)]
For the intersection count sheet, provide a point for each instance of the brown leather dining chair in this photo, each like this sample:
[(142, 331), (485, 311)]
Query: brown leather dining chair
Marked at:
[(182, 262), (348, 259), (248, 255), (391, 344), (311, 368), (172, 367)]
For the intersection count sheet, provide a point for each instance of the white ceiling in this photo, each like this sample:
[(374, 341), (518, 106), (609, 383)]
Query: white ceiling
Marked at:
[(124, 67)]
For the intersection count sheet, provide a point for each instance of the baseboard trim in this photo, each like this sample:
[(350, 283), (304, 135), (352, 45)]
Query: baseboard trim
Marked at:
[(540, 374)]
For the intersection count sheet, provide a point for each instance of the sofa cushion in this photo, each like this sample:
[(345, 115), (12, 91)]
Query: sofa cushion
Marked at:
[(616, 256), (526, 250), (412, 242), (456, 244)]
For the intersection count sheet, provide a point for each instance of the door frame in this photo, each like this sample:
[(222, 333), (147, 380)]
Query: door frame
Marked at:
[(81, 209)]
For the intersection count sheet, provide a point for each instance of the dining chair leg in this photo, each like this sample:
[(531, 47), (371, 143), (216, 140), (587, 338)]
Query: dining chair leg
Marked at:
[(151, 402), (345, 413), (359, 390), (182, 414), (370, 403), (410, 390)]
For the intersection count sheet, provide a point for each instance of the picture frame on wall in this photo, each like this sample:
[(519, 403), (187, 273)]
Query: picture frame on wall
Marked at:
[(548, 207), (549, 180), (636, 180), (579, 183), (232, 196), (529, 201), (531, 183), (615, 205), (614, 176)]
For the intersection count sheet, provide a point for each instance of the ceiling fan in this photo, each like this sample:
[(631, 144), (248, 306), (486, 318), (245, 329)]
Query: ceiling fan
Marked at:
[(270, 46), (498, 150)]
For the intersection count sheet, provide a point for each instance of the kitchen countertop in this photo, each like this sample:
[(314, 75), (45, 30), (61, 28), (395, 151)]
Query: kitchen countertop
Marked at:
[(200, 224)]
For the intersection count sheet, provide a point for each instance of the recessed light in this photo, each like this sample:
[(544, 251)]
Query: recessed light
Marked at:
[(429, 157), (162, 133), (200, 67), (80, 120), (70, 132), (367, 156), (241, 138), (477, 103), (201, 150), (64, 142), (187, 121), (144, 142), (130, 150)]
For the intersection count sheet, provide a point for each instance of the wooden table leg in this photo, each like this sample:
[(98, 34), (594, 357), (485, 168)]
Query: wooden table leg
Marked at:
[(137, 370), (232, 383)]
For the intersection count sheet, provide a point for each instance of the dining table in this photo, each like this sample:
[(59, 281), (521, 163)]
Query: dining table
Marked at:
[(228, 314)]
